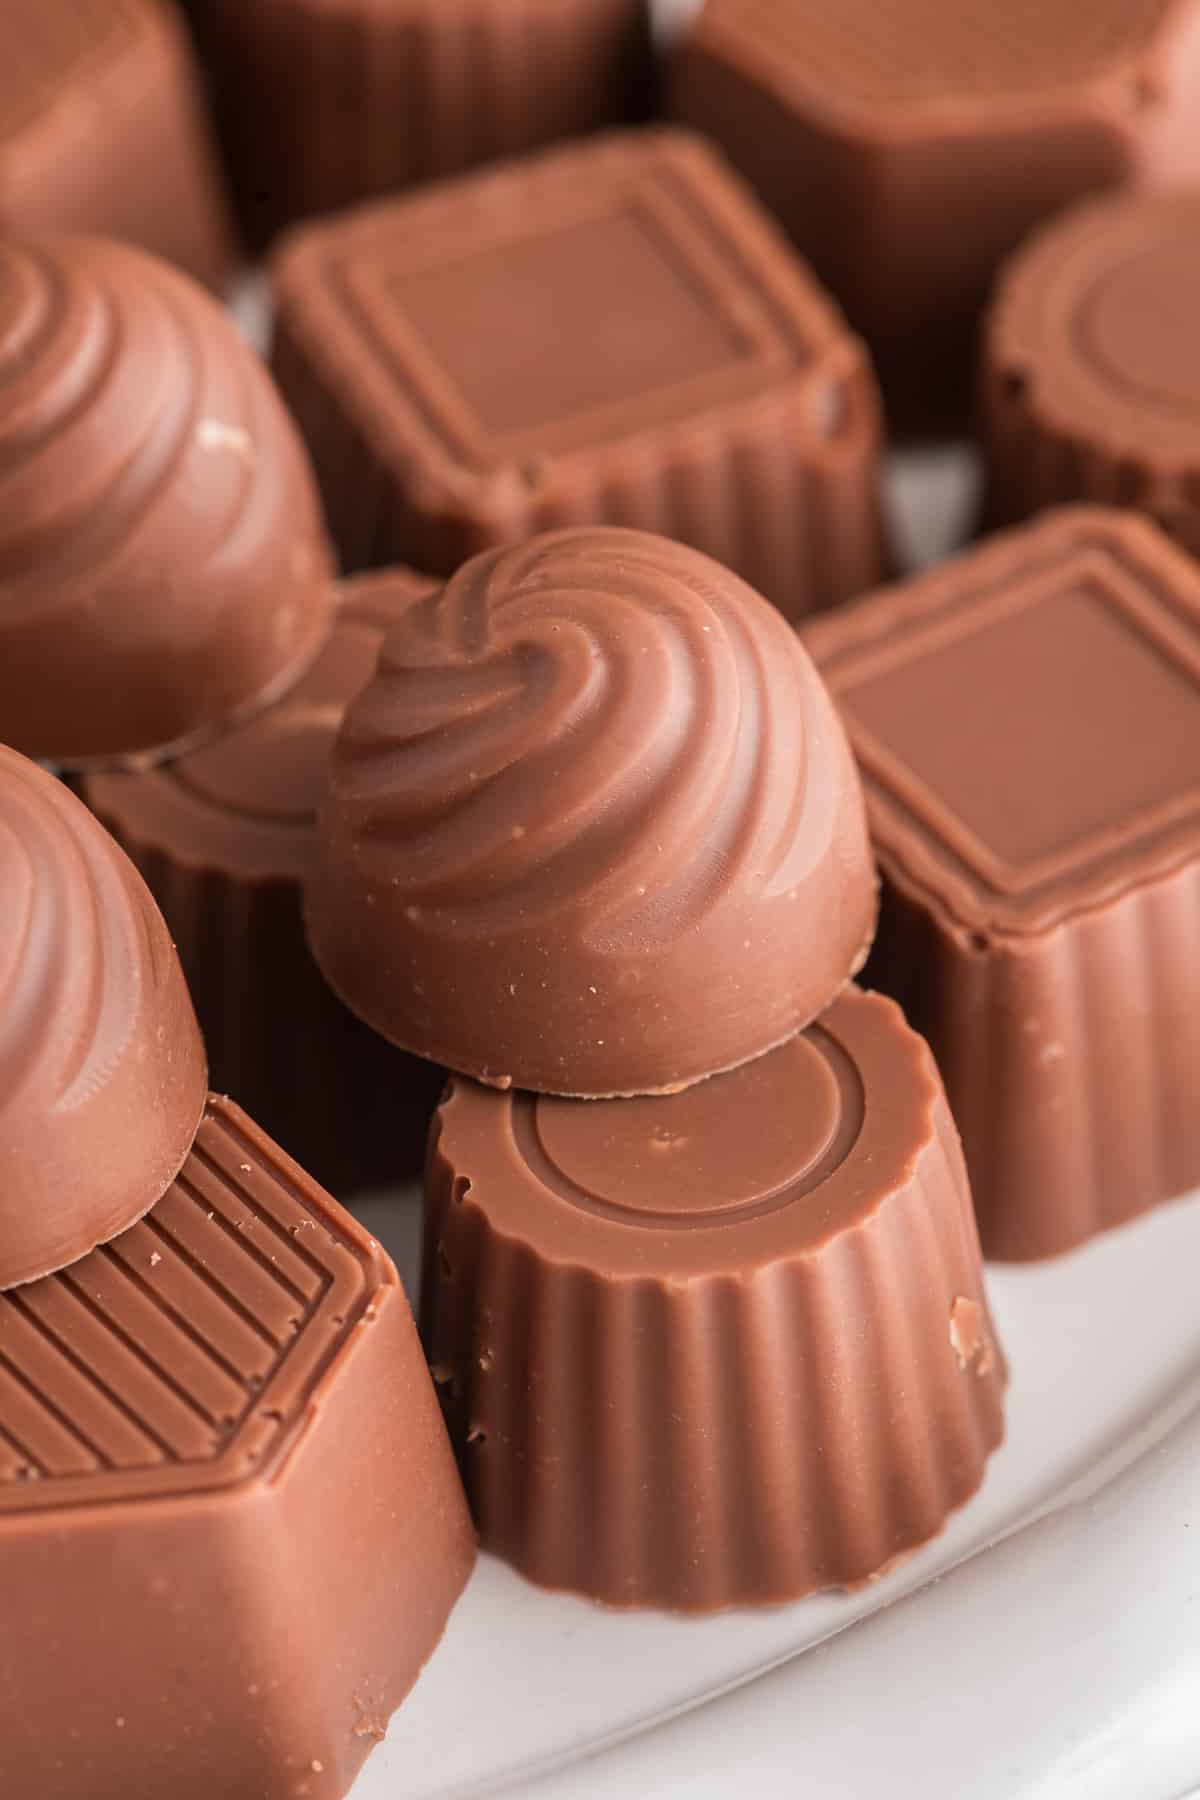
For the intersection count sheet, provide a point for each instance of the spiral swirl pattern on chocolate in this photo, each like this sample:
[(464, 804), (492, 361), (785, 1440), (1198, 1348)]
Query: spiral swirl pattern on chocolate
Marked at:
[(599, 779), (162, 559), (102, 1073)]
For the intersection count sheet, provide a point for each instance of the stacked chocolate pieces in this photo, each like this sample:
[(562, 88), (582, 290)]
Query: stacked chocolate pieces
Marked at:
[(203, 1358), (702, 1288)]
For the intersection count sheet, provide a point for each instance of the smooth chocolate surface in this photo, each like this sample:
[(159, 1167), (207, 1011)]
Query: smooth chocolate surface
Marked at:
[(102, 1075), (329, 102), (230, 1524), (909, 145), (1091, 381), (717, 1348), (163, 560), (594, 827), (1027, 722), (225, 837), (607, 334), (103, 130)]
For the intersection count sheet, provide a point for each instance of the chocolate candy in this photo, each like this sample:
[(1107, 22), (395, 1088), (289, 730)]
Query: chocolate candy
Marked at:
[(163, 562), (1027, 720), (594, 827), (224, 838), (102, 1075), (1091, 386), (609, 334), (230, 1524), (326, 102), (909, 145), (102, 129), (720, 1348)]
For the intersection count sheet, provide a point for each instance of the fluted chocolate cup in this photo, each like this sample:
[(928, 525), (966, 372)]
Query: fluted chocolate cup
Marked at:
[(721, 1348)]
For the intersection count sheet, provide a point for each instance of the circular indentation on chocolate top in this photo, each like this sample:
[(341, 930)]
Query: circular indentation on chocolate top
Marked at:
[(740, 1144), (1138, 325)]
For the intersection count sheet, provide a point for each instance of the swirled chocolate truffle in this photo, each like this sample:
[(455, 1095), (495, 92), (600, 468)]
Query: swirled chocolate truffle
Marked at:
[(719, 1348), (102, 1071), (594, 828), (163, 562)]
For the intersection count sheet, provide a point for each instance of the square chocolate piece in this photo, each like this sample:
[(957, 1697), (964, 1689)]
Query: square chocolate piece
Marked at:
[(103, 131), (608, 334), (1027, 721)]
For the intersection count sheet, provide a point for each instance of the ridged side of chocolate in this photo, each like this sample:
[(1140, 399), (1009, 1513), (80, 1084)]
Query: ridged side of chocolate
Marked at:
[(163, 561), (102, 1071), (182, 1416), (593, 828), (767, 461), (326, 105), (1088, 388), (96, 94), (1092, 1037), (724, 1409)]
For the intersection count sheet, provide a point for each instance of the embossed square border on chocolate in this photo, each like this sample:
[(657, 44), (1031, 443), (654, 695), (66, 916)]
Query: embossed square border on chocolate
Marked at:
[(687, 206), (301, 1283), (919, 833)]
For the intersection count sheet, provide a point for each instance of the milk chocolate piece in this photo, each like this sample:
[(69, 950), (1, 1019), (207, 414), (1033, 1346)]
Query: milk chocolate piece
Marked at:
[(102, 1075), (909, 145), (1091, 386), (721, 1348), (230, 1524), (102, 130), (594, 827), (163, 562), (1027, 720), (608, 334), (328, 102), (224, 838)]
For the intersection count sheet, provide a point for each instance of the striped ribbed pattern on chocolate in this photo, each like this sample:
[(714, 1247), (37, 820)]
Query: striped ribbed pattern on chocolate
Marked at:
[(737, 1436), (181, 1357), (328, 104), (766, 460)]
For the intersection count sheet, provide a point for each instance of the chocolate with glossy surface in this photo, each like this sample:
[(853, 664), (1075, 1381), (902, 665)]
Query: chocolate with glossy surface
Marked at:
[(230, 1523), (1091, 380), (163, 561), (1027, 721), (225, 838), (594, 827), (717, 1348), (909, 145), (328, 102), (103, 129), (102, 1075), (611, 333)]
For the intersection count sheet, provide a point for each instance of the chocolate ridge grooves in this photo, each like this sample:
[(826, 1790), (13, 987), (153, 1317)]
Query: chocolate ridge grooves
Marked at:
[(266, 1254)]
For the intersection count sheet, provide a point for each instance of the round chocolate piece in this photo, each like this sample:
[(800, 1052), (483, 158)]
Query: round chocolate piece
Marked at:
[(102, 1071), (1091, 386), (163, 562), (594, 828), (715, 1348), (224, 838)]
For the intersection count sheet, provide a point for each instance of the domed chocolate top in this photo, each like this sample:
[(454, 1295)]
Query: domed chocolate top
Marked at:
[(102, 1071), (594, 828), (163, 563)]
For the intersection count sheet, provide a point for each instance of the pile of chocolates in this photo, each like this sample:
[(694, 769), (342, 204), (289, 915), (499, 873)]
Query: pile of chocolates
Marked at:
[(486, 700)]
